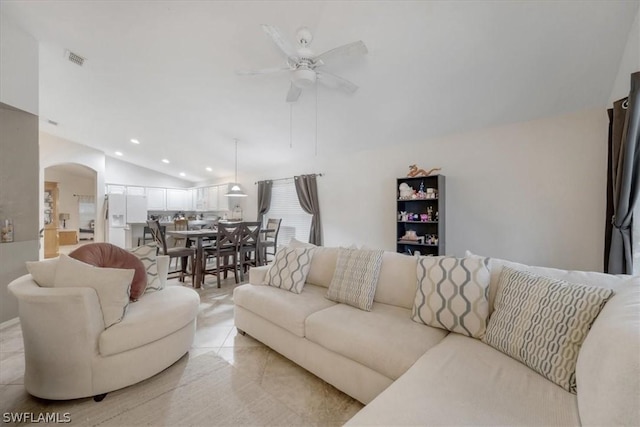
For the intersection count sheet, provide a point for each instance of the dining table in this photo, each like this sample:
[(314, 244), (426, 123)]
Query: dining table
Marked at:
[(199, 236)]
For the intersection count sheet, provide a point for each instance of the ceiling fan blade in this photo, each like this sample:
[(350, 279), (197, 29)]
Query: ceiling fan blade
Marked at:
[(280, 41), (294, 93), (263, 71), (351, 49), (333, 81)]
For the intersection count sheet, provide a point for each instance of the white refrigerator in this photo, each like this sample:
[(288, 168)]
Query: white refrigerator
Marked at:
[(123, 210)]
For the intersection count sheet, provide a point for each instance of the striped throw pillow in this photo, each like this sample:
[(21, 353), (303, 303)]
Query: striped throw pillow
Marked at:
[(147, 254), (289, 269), (542, 322), (453, 294), (355, 279)]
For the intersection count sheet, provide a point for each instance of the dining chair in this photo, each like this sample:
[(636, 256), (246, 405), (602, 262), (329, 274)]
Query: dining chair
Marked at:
[(146, 235), (184, 253), (224, 252), (270, 238), (250, 250)]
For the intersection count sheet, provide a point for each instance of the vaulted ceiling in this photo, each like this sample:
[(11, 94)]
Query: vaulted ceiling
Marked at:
[(162, 72)]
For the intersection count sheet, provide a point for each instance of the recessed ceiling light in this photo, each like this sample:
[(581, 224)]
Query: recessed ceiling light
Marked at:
[(209, 169), (135, 141), (118, 153), (183, 174), (165, 161)]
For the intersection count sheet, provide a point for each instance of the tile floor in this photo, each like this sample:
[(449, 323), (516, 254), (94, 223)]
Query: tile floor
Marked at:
[(315, 401)]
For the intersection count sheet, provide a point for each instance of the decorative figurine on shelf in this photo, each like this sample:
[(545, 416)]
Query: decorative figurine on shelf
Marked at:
[(424, 217), (410, 235), (403, 216), (406, 192), (415, 172), (430, 213)]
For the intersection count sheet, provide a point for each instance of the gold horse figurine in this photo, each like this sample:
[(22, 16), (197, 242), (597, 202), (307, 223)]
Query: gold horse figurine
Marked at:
[(415, 172)]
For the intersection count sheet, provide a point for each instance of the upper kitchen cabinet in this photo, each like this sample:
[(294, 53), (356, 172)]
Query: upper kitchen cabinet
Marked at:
[(136, 191), (156, 199), (223, 200), (116, 189), (212, 204), (178, 199)]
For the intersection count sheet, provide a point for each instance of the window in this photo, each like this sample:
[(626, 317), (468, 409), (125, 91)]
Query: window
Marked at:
[(284, 204)]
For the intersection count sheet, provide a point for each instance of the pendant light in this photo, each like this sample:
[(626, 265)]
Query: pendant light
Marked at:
[(236, 191)]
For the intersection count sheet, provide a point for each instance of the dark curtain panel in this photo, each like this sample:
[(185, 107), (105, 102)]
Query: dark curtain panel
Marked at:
[(625, 176), (307, 190), (264, 198)]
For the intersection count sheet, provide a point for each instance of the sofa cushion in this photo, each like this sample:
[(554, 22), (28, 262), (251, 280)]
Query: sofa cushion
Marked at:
[(323, 263), (462, 381), (289, 269), (383, 339), (155, 316), (542, 322), (111, 284), (397, 280), (147, 255), (608, 365), (108, 255), (285, 309), (355, 278), (43, 272), (589, 278), (453, 294)]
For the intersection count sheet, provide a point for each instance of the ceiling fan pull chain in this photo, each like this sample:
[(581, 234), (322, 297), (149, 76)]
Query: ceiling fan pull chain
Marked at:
[(316, 148), (291, 125)]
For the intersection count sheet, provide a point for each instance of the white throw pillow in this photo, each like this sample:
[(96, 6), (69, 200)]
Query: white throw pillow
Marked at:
[(43, 272), (453, 294), (289, 269), (542, 322), (147, 254), (111, 284), (356, 277)]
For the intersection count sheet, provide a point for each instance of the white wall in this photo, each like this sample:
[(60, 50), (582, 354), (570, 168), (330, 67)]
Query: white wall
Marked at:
[(56, 151), (629, 63), (18, 67), (68, 185), (532, 192), (18, 155), (120, 172)]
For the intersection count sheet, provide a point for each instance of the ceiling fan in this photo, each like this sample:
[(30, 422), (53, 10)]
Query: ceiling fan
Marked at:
[(303, 64)]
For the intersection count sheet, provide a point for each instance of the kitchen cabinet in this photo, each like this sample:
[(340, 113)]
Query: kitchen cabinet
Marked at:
[(177, 199), (136, 191), (201, 199), (116, 189), (223, 200), (212, 203), (156, 199)]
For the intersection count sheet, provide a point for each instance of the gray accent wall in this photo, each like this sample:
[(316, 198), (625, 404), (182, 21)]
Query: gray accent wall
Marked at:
[(19, 200)]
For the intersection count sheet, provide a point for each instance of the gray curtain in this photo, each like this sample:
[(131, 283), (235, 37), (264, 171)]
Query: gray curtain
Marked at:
[(307, 190), (264, 198), (625, 177)]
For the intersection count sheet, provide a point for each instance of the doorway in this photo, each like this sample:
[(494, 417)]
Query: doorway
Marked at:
[(70, 218)]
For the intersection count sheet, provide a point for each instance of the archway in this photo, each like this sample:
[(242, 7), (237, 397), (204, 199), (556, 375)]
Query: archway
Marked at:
[(70, 208)]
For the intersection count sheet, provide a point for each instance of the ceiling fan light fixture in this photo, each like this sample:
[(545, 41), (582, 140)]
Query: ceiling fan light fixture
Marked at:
[(304, 77)]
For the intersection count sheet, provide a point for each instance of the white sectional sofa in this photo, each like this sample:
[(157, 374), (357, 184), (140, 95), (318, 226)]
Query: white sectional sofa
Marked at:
[(408, 373)]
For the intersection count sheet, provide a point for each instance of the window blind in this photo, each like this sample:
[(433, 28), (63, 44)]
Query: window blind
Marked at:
[(284, 204)]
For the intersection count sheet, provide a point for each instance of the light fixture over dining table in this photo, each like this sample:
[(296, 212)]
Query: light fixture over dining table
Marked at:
[(235, 190)]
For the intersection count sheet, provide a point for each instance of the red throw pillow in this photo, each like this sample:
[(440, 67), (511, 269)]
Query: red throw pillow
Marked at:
[(108, 255)]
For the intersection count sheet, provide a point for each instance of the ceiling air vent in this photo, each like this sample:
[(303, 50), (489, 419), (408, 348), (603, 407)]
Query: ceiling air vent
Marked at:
[(73, 57)]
